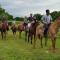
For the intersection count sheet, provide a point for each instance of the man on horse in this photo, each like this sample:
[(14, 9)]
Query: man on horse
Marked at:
[(31, 19), (46, 19), (25, 22), (32, 28)]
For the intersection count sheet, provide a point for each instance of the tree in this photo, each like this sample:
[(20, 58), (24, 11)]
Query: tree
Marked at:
[(4, 14), (38, 16), (8, 16), (55, 14), (19, 18)]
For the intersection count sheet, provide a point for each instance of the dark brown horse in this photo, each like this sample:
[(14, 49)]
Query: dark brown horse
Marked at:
[(32, 31), (4, 28)]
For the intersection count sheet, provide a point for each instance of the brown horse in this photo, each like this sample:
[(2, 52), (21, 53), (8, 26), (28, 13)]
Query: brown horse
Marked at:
[(53, 29), (4, 28), (14, 29), (32, 31), (22, 27), (39, 33)]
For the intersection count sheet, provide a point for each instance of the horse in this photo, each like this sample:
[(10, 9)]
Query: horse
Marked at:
[(4, 28), (14, 29), (22, 27), (52, 32), (39, 33), (32, 31)]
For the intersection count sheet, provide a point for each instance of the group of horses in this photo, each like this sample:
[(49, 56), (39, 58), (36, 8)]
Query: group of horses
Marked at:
[(33, 31)]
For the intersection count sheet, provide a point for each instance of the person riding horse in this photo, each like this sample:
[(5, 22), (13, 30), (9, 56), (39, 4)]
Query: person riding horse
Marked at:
[(32, 28), (25, 22), (28, 21), (31, 18), (46, 19)]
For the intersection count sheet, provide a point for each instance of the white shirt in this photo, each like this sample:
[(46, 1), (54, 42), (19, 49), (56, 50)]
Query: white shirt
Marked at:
[(46, 19), (25, 20)]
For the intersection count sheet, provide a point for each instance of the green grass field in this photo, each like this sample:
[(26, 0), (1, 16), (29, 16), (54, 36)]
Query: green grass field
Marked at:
[(18, 49)]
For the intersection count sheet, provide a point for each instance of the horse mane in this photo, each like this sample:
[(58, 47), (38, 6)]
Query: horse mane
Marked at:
[(56, 21), (55, 24)]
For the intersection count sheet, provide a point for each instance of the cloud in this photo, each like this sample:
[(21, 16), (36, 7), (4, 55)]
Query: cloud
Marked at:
[(25, 7)]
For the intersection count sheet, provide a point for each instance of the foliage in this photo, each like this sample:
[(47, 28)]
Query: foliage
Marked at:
[(19, 18), (4, 14), (55, 14), (38, 16), (9, 17)]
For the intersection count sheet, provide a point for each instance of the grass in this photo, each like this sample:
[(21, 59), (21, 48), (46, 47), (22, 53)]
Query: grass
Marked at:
[(18, 49)]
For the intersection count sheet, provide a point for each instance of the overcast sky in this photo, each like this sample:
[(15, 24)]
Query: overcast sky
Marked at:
[(25, 7)]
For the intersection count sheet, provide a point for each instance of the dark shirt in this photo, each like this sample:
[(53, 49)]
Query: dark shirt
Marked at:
[(30, 19)]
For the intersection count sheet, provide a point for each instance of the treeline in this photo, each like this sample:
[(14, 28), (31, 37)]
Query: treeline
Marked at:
[(4, 14), (9, 17)]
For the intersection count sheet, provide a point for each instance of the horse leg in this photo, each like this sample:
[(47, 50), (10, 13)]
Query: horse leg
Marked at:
[(53, 44), (41, 42), (34, 41), (2, 34), (25, 35), (5, 35), (20, 34), (28, 37), (14, 35), (31, 39), (40, 37)]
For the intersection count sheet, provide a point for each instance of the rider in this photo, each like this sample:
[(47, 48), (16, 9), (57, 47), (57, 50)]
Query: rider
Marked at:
[(25, 22), (31, 18), (46, 19)]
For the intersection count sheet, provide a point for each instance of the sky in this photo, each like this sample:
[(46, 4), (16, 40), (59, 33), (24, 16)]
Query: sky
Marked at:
[(25, 7)]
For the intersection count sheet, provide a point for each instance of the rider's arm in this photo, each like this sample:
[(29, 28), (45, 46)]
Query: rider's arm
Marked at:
[(43, 19)]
